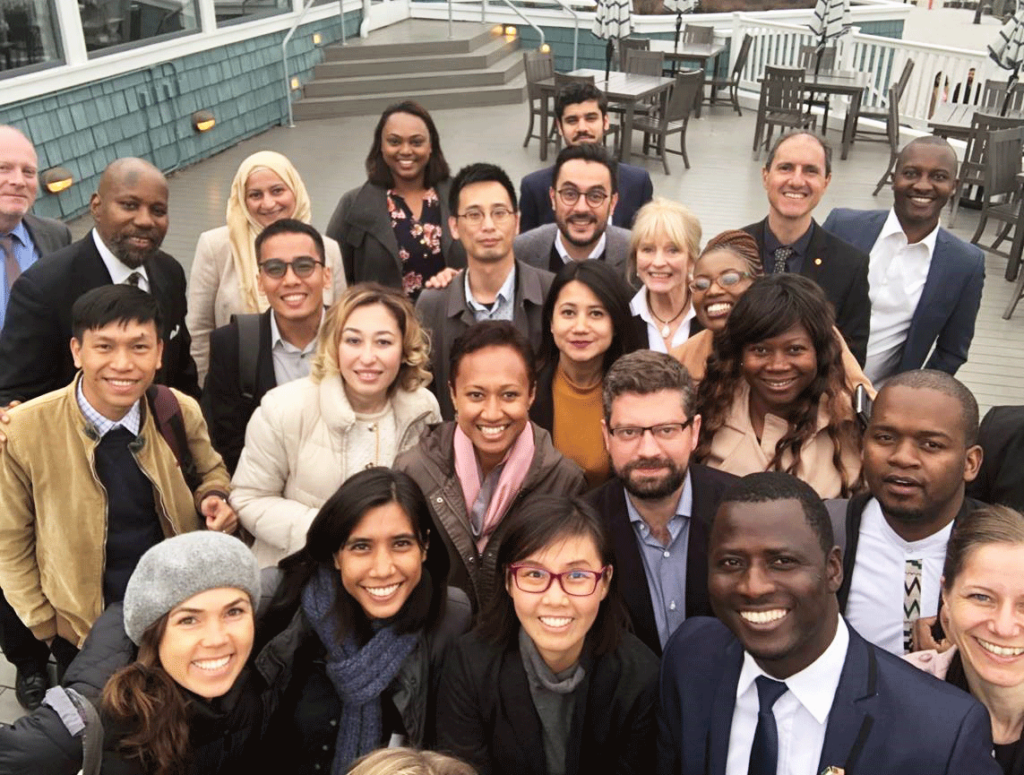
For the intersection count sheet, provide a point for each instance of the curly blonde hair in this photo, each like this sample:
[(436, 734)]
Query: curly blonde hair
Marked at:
[(406, 761), (414, 372)]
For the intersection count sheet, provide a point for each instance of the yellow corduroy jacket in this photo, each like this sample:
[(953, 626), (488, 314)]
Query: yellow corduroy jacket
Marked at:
[(53, 508)]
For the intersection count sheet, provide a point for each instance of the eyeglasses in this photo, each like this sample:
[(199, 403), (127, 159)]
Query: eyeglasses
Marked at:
[(576, 582), (726, 279), (499, 216), (595, 197), (668, 431), (303, 266)]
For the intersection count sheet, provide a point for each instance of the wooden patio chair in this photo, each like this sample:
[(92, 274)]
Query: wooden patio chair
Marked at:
[(673, 119), (539, 66), (732, 82), (1001, 199), (882, 135), (972, 168), (781, 104), (631, 44), (809, 62), (892, 133), (643, 62), (993, 96), (698, 34)]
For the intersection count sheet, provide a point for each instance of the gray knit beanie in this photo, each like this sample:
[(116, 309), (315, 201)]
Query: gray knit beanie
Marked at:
[(178, 568)]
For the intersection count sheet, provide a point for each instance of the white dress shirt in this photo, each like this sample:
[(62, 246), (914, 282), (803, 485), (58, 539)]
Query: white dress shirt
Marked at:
[(119, 273), (875, 604), (566, 258), (639, 306), (801, 714), (289, 361), (896, 277)]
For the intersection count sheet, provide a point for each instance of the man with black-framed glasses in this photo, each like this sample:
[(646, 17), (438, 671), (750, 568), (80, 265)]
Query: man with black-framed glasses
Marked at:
[(659, 505), (495, 286), (257, 352), (584, 194)]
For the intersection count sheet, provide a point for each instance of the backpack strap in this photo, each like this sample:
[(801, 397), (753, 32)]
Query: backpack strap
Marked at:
[(248, 352), (167, 415), (79, 717)]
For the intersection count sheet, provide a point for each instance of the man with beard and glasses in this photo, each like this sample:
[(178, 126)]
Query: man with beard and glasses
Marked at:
[(581, 116), (920, 450), (780, 683), (129, 209), (584, 195), (659, 505)]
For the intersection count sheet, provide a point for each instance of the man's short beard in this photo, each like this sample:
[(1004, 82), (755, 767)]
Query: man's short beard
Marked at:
[(563, 228), (652, 489)]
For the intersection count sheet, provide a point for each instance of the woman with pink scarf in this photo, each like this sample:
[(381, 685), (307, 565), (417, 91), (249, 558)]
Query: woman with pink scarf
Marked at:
[(480, 468)]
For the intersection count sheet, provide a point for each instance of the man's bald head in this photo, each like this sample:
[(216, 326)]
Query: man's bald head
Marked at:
[(130, 210), (931, 141), (19, 176)]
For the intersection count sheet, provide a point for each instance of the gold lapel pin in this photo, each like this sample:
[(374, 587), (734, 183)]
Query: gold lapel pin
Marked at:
[(817, 262), (832, 770)]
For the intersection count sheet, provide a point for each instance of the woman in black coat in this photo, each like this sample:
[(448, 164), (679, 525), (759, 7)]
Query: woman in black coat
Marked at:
[(551, 683)]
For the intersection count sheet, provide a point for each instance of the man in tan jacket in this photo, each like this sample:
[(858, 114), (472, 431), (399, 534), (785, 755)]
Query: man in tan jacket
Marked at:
[(87, 481)]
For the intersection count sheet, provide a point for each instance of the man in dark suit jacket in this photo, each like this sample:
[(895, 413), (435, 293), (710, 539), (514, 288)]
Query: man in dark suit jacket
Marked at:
[(495, 286), (130, 212), (917, 463), (659, 505), (780, 682), (279, 344), (795, 176), (931, 298), (581, 115), (30, 237)]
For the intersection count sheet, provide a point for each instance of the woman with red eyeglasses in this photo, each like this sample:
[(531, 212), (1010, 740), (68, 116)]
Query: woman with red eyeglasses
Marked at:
[(551, 681)]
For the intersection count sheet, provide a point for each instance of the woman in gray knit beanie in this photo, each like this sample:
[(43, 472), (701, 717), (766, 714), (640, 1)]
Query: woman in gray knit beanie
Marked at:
[(189, 608)]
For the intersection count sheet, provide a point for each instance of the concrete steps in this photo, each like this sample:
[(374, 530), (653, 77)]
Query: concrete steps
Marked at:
[(415, 60)]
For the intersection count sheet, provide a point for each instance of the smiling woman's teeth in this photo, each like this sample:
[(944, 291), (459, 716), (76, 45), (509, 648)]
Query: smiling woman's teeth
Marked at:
[(1001, 651), (212, 664), (555, 621), (381, 591), (763, 617), (492, 431)]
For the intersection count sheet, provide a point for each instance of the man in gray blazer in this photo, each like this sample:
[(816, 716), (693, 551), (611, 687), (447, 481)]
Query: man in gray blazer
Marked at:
[(584, 194), (24, 238), (495, 286)]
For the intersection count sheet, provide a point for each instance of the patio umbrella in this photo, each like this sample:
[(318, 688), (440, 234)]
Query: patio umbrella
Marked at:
[(612, 21), (831, 21), (1007, 51), (680, 7)]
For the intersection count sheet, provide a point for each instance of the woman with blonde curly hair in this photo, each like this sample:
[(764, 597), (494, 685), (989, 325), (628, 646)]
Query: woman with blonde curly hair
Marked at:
[(776, 395), (407, 761), (365, 401), (664, 243)]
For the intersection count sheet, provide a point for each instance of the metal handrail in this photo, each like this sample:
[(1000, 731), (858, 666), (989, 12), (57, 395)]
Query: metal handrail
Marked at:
[(518, 13), (284, 52)]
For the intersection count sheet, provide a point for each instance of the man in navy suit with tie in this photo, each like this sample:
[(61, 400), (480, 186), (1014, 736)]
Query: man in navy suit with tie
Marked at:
[(581, 115), (925, 284), (780, 684)]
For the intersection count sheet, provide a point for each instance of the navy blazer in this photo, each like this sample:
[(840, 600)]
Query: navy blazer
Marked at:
[(35, 356), (841, 269), (949, 303), (888, 717), (225, 409), (635, 190), (709, 485)]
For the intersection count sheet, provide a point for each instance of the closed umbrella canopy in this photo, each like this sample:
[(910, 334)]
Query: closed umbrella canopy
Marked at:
[(1007, 50), (613, 20), (831, 19)]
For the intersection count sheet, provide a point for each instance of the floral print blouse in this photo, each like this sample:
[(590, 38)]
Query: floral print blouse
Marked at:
[(419, 241)]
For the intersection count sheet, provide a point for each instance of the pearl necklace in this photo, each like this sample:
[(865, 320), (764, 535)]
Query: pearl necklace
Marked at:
[(665, 324)]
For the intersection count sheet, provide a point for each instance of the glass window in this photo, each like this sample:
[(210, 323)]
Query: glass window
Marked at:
[(110, 23), (233, 11), (28, 35)]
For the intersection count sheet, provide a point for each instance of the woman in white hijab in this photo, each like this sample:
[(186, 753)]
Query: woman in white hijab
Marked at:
[(266, 188)]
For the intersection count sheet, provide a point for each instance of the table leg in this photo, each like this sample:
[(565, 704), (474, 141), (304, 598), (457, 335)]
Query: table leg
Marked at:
[(1013, 264), (544, 128), (699, 102), (851, 123), (626, 149)]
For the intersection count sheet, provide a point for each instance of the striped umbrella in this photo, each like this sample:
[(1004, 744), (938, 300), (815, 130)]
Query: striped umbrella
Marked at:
[(680, 7), (613, 20), (831, 21), (1007, 51)]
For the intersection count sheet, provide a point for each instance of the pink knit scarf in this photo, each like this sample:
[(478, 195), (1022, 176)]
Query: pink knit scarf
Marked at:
[(517, 466)]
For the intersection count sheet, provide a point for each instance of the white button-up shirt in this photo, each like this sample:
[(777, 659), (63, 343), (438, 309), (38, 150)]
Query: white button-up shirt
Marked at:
[(896, 276), (119, 273), (801, 714), (566, 258)]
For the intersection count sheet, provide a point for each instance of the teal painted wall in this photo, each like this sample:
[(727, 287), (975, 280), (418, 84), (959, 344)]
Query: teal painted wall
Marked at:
[(147, 113)]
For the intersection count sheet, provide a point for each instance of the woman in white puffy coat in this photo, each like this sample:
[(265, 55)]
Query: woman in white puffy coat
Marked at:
[(364, 402)]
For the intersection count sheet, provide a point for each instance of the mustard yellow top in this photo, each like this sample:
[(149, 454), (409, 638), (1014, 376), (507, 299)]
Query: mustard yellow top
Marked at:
[(576, 420)]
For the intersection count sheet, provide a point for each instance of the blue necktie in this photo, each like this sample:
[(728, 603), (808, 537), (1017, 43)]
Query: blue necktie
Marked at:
[(764, 753)]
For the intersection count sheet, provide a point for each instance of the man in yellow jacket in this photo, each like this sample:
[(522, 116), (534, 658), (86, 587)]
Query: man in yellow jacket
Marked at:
[(88, 482)]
